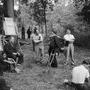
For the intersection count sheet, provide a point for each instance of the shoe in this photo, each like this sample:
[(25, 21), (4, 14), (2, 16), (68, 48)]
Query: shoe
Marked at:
[(17, 70), (65, 63), (73, 63)]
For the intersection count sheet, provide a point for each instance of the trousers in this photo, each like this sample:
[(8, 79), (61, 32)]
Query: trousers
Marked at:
[(39, 51), (70, 52)]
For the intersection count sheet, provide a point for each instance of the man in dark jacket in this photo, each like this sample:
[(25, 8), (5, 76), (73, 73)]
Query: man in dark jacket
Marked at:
[(56, 43), (29, 32), (12, 50)]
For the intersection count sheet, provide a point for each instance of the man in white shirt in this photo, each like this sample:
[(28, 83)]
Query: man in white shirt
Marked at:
[(38, 43), (69, 39), (80, 75)]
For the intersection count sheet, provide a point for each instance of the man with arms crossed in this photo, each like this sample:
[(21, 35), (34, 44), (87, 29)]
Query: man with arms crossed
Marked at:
[(69, 40)]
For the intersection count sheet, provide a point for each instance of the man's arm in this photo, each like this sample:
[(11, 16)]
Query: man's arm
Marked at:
[(87, 76), (40, 39)]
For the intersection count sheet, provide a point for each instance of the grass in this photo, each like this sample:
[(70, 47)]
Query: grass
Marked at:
[(32, 76)]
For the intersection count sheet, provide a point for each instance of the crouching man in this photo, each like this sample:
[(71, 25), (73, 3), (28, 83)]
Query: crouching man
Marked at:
[(80, 77)]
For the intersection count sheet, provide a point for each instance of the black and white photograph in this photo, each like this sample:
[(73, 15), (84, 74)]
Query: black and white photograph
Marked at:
[(44, 44)]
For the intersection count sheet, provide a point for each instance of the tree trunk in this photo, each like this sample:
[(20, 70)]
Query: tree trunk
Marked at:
[(23, 33), (45, 22), (10, 5)]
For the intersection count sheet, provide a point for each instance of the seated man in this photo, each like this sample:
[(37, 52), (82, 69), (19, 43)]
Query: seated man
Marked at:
[(12, 51), (12, 65), (4, 65), (80, 77)]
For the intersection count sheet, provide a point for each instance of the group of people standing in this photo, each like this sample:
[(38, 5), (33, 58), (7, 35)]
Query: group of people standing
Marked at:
[(57, 44), (12, 55), (80, 74)]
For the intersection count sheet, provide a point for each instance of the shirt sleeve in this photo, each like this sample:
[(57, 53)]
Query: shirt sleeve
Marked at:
[(64, 37), (73, 37), (41, 37), (32, 36), (87, 75)]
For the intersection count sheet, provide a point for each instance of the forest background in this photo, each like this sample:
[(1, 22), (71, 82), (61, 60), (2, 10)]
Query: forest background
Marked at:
[(58, 15)]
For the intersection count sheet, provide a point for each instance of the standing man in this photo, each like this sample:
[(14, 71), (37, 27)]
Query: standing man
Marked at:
[(56, 43), (23, 32), (29, 32), (80, 76), (69, 40), (37, 39)]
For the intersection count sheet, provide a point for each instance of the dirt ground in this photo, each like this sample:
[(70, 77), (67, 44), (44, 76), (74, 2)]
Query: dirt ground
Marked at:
[(34, 76)]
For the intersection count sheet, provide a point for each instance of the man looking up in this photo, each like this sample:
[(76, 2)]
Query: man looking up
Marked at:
[(69, 40)]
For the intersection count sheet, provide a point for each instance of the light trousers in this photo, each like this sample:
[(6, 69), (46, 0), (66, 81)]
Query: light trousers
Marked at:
[(39, 51), (70, 52)]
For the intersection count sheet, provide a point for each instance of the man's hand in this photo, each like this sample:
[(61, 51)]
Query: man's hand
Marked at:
[(18, 53), (15, 53)]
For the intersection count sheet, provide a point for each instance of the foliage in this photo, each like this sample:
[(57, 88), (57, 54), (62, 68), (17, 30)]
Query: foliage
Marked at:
[(40, 11), (26, 15), (40, 8), (24, 1)]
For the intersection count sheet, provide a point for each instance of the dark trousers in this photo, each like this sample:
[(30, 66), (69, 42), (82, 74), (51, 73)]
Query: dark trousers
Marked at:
[(19, 56), (74, 86), (28, 36), (53, 60), (4, 67), (81, 86)]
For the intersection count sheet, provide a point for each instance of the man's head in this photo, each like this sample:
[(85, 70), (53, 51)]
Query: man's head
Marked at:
[(4, 55), (36, 30), (68, 31)]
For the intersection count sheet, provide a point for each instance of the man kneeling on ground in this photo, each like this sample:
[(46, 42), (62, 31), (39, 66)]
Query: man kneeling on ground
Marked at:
[(80, 76)]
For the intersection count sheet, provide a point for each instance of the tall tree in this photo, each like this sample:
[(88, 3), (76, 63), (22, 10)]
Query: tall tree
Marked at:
[(40, 8)]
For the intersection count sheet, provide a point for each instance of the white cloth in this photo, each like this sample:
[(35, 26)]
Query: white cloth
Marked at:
[(1, 45), (79, 74), (69, 37)]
